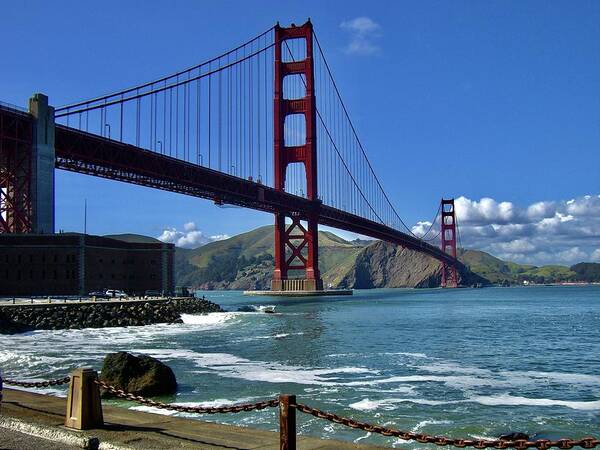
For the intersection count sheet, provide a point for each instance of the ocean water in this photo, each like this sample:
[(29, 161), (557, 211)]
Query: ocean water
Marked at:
[(463, 362)]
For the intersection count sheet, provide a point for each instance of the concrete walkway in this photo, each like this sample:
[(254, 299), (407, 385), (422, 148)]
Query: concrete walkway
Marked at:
[(127, 429), (13, 440)]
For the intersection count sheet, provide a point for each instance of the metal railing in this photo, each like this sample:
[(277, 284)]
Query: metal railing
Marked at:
[(287, 417)]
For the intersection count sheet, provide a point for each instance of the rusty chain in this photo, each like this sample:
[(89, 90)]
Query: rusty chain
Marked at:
[(520, 444), (37, 384), (189, 409)]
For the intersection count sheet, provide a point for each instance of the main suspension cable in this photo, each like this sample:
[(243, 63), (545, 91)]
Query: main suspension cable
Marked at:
[(162, 79), (393, 209)]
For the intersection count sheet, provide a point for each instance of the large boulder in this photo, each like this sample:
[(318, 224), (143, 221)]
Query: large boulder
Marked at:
[(139, 375)]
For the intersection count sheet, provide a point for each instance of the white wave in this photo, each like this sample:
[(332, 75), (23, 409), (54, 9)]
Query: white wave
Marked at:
[(212, 320), (263, 308), (452, 367), (153, 410), (412, 355), (507, 379), (367, 405), (389, 403), (427, 422), (495, 400), (206, 360), (231, 366), (207, 404), (271, 336), (358, 439), (21, 359), (458, 381), (402, 389), (560, 377), (509, 400)]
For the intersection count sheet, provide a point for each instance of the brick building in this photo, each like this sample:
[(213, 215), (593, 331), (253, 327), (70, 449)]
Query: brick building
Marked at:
[(76, 264)]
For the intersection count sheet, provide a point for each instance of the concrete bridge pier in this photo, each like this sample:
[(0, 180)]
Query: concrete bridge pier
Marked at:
[(43, 163)]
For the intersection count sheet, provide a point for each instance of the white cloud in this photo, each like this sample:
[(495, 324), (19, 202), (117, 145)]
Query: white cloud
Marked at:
[(546, 232), (364, 31), (421, 228), (190, 237)]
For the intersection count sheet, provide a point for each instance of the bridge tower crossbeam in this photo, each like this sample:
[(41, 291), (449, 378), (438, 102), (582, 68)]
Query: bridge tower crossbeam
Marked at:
[(296, 245)]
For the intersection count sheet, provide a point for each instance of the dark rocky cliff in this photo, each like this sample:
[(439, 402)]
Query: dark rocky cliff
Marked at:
[(385, 265)]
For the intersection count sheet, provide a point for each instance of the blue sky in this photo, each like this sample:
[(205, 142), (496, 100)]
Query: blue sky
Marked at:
[(481, 99)]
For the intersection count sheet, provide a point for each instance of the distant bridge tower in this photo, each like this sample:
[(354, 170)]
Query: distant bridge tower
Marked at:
[(296, 245), (449, 274)]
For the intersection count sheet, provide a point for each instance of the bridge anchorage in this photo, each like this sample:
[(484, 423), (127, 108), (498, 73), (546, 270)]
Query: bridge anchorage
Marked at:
[(262, 126)]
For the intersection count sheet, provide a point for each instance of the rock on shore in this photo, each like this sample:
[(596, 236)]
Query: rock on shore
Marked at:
[(139, 375), (19, 318)]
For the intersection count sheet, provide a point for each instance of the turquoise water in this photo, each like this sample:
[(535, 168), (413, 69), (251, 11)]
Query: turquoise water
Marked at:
[(465, 362)]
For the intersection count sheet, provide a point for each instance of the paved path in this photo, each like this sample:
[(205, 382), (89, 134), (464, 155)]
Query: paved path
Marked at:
[(129, 429), (13, 440)]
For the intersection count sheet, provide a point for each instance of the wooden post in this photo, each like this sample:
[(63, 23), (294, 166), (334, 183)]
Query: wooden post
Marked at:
[(84, 410), (287, 422)]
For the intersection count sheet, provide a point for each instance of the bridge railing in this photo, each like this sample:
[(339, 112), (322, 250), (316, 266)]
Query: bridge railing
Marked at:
[(13, 108), (84, 411)]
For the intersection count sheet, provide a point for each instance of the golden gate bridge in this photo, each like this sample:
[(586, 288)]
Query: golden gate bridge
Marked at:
[(262, 126)]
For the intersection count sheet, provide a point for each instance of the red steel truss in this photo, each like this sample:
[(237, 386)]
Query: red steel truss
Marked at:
[(301, 243), (449, 272), (15, 171)]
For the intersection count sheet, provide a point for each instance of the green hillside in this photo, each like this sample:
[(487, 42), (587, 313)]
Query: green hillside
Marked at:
[(245, 261), (505, 272), (250, 255), (548, 274), (492, 268)]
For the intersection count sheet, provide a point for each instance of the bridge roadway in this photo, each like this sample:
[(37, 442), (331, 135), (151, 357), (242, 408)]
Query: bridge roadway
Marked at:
[(90, 154)]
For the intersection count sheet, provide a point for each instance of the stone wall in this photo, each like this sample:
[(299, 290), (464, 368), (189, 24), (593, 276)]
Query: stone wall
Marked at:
[(73, 315)]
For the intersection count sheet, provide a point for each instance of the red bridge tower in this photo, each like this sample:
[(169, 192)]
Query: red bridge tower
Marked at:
[(449, 274), (296, 245)]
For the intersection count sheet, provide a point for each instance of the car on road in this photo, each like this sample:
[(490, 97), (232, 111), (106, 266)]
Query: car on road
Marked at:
[(115, 293), (99, 294)]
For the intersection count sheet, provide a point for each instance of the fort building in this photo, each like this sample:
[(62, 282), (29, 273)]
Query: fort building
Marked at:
[(77, 264)]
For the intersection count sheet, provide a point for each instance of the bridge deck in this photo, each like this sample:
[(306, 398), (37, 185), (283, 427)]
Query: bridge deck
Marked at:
[(95, 155), (82, 152)]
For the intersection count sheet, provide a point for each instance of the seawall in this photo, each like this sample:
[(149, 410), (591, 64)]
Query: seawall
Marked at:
[(16, 318)]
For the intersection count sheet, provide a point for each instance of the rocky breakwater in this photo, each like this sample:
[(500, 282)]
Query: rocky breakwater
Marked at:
[(74, 315)]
